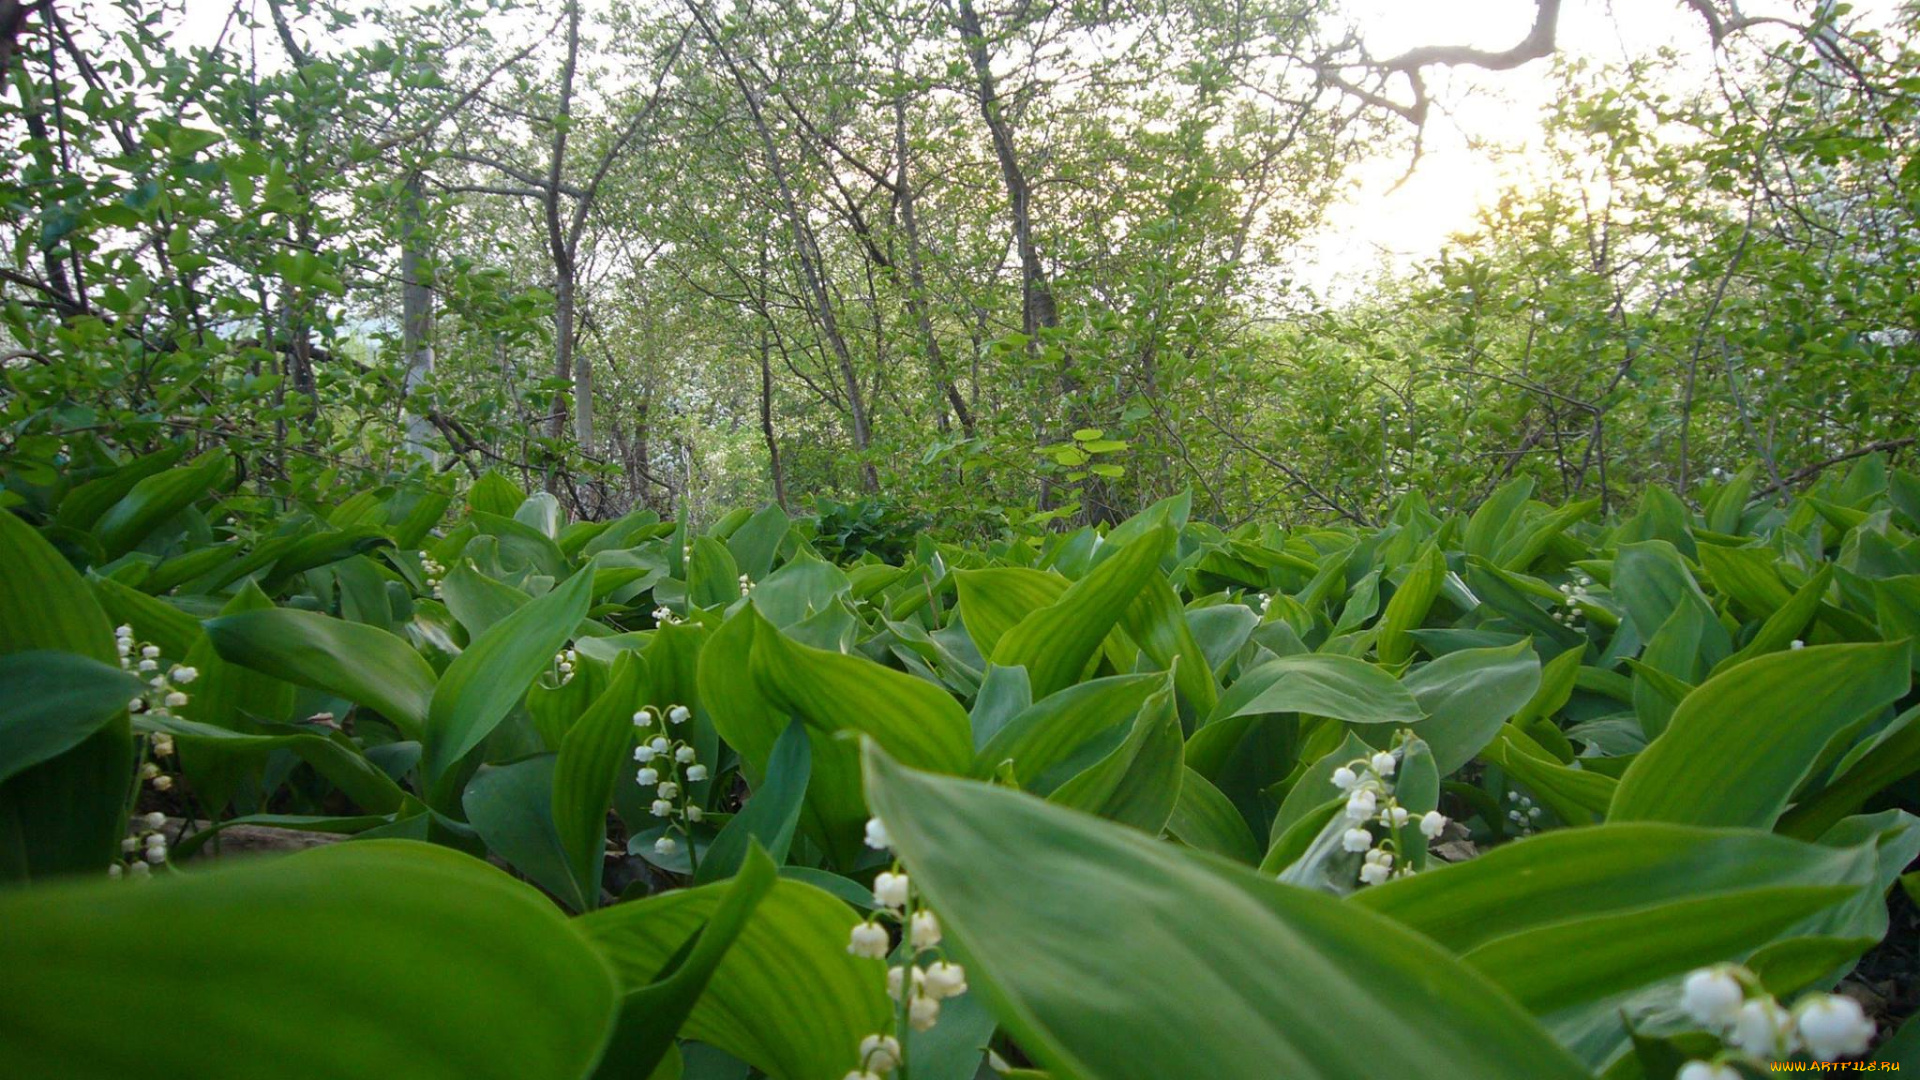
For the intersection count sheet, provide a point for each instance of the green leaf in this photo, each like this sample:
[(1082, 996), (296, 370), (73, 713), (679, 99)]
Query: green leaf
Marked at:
[(1317, 684), (484, 682), (1468, 696), (1055, 643), (66, 814), (332, 755), (1635, 904), (1158, 624), (793, 950), (755, 544), (495, 494), (365, 665), (771, 816), (53, 702), (511, 807), (1050, 732), (463, 973), (834, 692), (1138, 783), (1741, 743), (1202, 968), (652, 1015), (1206, 819), (1409, 606), (993, 601), (156, 499), (590, 761)]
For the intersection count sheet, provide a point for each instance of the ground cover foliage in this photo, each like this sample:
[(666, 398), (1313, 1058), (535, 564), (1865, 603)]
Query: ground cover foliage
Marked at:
[(1524, 792)]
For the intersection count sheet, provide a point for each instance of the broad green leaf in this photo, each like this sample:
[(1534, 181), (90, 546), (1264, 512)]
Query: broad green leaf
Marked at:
[(495, 494), (1202, 968), (156, 499), (755, 544), (651, 1015), (1468, 696), (66, 814), (511, 807), (1635, 904), (1409, 605), (1206, 819), (1048, 733), (484, 682), (1739, 746), (793, 950), (53, 702), (770, 817), (993, 601), (1317, 684), (1138, 783), (455, 972), (365, 665), (1055, 643), (592, 759), (1157, 623), (476, 600), (332, 755), (833, 692)]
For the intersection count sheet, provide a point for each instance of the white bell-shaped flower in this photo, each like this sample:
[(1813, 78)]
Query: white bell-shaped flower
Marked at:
[(1382, 763), (666, 845), (1833, 1026), (644, 753), (647, 777), (924, 930), (923, 1013), (1432, 824), (890, 889), (661, 744), (1361, 804), (1707, 1070), (696, 773), (1763, 1029), (877, 837), (684, 755), (643, 717), (1712, 997), (668, 790), (1344, 778), (661, 808), (678, 715), (945, 980), (1356, 840), (880, 1053), (869, 940)]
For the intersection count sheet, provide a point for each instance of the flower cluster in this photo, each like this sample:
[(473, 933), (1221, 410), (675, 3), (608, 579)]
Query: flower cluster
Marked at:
[(1266, 602), (563, 663), (435, 574), (664, 616), (1524, 815), (1573, 594), (162, 696), (668, 765), (144, 847), (1370, 800), (916, 990), (746, 584), (1729, 1001)]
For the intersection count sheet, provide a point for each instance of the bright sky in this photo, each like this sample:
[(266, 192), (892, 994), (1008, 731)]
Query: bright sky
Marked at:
[(1378, 225)]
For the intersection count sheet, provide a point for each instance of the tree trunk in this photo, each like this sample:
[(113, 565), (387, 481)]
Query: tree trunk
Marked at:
[(416, 319), (917, 279), (812, 270)]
